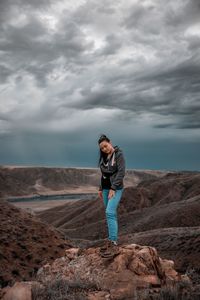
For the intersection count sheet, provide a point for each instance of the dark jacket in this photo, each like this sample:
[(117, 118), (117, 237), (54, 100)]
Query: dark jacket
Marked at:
[(115, 169)]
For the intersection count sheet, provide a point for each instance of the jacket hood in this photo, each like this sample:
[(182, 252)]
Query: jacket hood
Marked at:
[(117, 148)]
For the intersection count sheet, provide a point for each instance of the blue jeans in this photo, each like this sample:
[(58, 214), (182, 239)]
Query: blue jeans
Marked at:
[(111, 212)]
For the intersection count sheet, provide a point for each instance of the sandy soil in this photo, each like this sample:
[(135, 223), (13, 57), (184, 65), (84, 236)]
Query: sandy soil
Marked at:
[(36, 206), (49, 192)]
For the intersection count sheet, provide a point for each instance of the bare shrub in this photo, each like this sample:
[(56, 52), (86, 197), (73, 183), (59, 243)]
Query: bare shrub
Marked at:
[(193, 274), (173, 291), (61, 289)]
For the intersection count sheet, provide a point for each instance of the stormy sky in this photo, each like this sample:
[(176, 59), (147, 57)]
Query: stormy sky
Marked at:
[(72, 70)]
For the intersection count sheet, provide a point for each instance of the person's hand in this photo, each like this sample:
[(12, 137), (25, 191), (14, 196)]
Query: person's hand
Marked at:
[(100, 194), (111, 194)]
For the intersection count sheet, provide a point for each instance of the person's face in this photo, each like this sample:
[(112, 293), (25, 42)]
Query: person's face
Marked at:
[(106, 147)]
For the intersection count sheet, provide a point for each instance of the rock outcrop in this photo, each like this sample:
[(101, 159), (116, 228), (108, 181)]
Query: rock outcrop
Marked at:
[(135, 268)]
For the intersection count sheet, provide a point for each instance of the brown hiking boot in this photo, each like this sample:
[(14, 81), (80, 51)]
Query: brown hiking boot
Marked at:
[(105, 246), (111, 251)]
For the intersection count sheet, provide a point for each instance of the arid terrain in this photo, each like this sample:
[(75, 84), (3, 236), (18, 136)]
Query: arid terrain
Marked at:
[(157, 209), (26, 243), (165, 211), (38, 206), (29, 181)]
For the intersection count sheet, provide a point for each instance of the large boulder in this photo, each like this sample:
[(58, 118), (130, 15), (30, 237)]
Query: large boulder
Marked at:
[(19, 291), (135, 267)]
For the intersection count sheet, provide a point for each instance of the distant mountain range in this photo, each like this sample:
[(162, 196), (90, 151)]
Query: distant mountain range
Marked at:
[(26, 181)]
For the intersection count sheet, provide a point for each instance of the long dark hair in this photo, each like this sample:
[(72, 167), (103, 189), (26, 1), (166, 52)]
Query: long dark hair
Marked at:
[(102, 138)]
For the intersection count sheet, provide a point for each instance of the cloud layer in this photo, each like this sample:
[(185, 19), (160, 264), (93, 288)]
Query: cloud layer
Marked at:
[(90, 66)]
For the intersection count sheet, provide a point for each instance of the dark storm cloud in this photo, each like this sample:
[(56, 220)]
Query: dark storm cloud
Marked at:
[(10, 8), (175, 15), (90, 11), (173, 92), (187, 14), (33, 48), (5, 73), (3, 117), (112, 45), (170, 88), (138, 60), (181, 91), (8, 4)]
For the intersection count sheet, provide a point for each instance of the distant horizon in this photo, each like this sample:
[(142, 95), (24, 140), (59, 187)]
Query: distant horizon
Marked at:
[(92, 168)]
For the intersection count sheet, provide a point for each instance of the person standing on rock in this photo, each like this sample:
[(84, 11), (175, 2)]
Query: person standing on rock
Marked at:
[(112, 166)]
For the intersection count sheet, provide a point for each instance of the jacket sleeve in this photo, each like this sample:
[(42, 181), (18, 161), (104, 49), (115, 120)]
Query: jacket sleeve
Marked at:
[(100, 186), (121, 171)]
